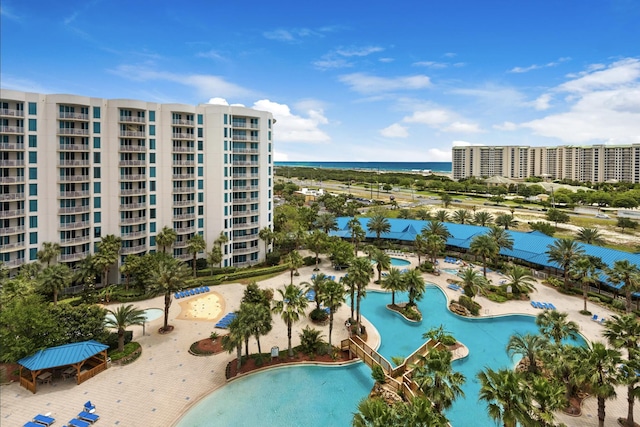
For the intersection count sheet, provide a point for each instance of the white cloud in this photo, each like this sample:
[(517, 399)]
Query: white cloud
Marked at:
[(462, 127), (623, 72), (431, 64), (438, 155), (506, 126), (336, 58), (539, 66), (7, 13), (450, 55), (386, 60), (327, 63), (290, 35), (358, 51), (292, 127), (395, 131), (433, 118), (542, 102), (365, 83), (218, 101), (211, 54), (461, 144)]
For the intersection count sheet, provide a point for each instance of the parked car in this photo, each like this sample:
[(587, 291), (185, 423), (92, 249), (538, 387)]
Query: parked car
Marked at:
[(602, 216)]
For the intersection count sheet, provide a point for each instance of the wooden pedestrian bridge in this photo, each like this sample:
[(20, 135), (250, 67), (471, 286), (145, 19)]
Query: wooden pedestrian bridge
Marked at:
[(398, 378)]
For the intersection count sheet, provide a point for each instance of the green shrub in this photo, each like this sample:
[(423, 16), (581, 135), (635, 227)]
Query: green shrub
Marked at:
[(496, 297), (585, 312), (112, 339), (469, 304), (309, 260), (273, 258), (318, 315), (377, 373), (618, 304), (553, 281), (602, 297), (310, 341), (129, 349)]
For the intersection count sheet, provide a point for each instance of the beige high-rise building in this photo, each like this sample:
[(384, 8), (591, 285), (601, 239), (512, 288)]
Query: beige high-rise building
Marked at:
[(591, 163), (75, 168)]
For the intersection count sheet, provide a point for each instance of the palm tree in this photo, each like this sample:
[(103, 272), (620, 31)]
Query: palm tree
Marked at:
[(423, 214), (506, 221), (472, 282), (267, 235), (394, 282), (584, 269), (548, 395), (440, 384), (290, 308), (332, 298), (520, 280), (420, 246), (528, 346), (462, 216), (195, 245), (357, 233), (599, 371), (414, 284), (317, 286), (123, 317), (591, 236), (256, 319), (294, 261), (350, 288), (485, 247), (442, 215), (326, 222), (360, 272), (234, 339), (49, 252), (624, 332), (627, 275), (562, 362), (107, 255), (170, 276), (506, 395), (435, 227), (482, 218), (564, 252), (165, 238), (373, 412), (56, 278), (383, 262), (378, 224), (221, 240), (554, 325), (317, 242), (501, 236), (436, 235), (214, 257)]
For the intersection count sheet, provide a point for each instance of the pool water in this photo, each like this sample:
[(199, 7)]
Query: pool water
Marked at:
[(320, 396), (399, 262), (453, 271)]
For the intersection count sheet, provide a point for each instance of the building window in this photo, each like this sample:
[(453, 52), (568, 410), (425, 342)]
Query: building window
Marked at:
[(200, 119), (152, 185), (200, 146), (200, 197), (152, 199), (96, 127), (152, 213), (152, 172), (152, 157), (96, 157), (199, 132), (96, 173), (33, 238), (33, 125), (225, 119), (33, 157), (96, 187), (33, 254), (97, 217), (200, 210), (97, 202), (152, 227), (152, 130), (33, 108), (33, 189), (200, 158), (33, 206), (152, 144), (201, 184), (33, 173), (96, 112), (152, 116), (200, 222), (33, 141), (96, 142), (200, 171), (33, 222)]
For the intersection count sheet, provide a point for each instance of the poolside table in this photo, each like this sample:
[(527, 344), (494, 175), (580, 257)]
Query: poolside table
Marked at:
[(45, 377)]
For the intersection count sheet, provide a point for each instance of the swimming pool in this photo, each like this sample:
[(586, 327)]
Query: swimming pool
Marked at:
[(399, 262), (242, 400), (453, 271)]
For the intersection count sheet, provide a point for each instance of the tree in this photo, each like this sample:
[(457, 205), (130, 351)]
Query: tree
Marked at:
[(394, 282), (528, 346), (317, 242), (107, 255), (442, 215), (129, 268), (214, 257), (482, 218), (221, 240), (420, 246), (485, 247), (437, 380), (472, 282), (266, 234), (360, 273), (166, 238), (590, 236), (584, 270), (290, 307), (557, 216), (234, 339), (169, 276), (294, 261), (49, 252), (626, 223), (507, 396), (256, 318), (543, 227), (446, 199), (506, 221), (383, 262), (373, 412), (357, 233), (317, 286), (564, 252), (554, 325), (423, 214), (55, 278), (414, 284), (123, 317), (378, 224), (436, 235), (520, 280), (326, 222), (462, 216), (332, 298), (628, 276), (547, 397), (195, 245), (341, 252)]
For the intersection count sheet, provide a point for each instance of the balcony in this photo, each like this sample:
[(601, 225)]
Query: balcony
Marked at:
[(7, 197), (74, 194), (73, 116), (184, 216), (14, 263), (245, 175), (134, 235), (82, 162), (11, 179), (74, 225), (72, 131), (74, 257), (243, 226), (7, 231), (245, 213), (74, 209), (74, 178), (9, 163), (184, 203), (183, 122), (11, 112), (245, 238), (133, 249), (245, 151), (244, 125), (184, 176), (240, 200), (11, 129), (132, 162), (133, 191), (240, 251), (182, 190), (14, 245), (73, 147), (184, 163), (138, 177), (132, 119), (245, 162), (137, 220), (245, 187), (245, 138), (181, 244), (183, 149), (75, 240), (184, 257), (133, 134), (6, 146), (182, 135), (133, 206), (185, 230), (133, 148)]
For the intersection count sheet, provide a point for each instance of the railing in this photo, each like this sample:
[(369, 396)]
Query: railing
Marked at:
[(182, 190), (11, 179), (181, 244), (133, 249), (11, 129), (14, 262), (132, 162), (73, 147), (186, 256), (74, 225), (133, 235), (245, 225), (184, 202), (74, 178), (11, 163), (11, 196), (136, 220), (245, 162), (366, 353), (182, 135), (6, 231), (183, 122), (184, 163), (132, 134), (184, 176), (74, 209), (11, 213), (11, 112), (125, 148), (133, 191), (133, 119), (74, 257), (245, 238), (100, 365), (74, 240), (245, 150), (185, 230), (132, 206), (183, 149), (241, 251), (11, 146), (83, 162), (245, 213), (245, 187), (244, 125), (72, 131), (137, 177), (74, 116), (184, 216), (8, 246)]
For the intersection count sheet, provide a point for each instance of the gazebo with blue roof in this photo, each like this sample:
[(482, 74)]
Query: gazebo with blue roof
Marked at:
[(82, 359)]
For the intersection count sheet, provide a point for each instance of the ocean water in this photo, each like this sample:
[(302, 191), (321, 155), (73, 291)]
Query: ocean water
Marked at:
[(444, 167)]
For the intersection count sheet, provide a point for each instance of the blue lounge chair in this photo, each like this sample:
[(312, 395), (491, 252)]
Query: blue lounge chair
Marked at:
[(595, 318), (32, 424), (534, 304), (197, 291), (176, 295), (206, 289), (311, 295), (44, 420), (545, 305), (78, 423), (85, 416), (89, 407), (551, 306)]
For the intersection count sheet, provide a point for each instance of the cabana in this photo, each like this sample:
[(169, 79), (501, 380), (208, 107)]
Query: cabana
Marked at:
[(83, 360)]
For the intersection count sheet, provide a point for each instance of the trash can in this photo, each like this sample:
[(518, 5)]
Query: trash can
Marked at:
[(108, 362)]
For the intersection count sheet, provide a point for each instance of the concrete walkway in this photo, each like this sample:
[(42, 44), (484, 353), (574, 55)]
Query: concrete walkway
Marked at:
[(166, 380)]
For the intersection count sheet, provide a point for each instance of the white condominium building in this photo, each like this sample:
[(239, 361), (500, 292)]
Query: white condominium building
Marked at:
[(591, 163), (74, 168)]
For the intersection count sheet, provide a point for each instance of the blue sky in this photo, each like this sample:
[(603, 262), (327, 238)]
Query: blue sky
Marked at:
[(351, 80)]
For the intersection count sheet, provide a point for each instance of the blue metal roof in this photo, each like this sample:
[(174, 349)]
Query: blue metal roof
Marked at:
[(63, 355), (529, 246)]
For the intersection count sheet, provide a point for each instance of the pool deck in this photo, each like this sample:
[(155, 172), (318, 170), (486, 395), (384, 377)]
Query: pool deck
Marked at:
[(166, 381)]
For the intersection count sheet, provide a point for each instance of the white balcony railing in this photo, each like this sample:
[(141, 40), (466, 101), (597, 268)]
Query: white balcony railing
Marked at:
[(182, 190), (73, 194), (7, 231), (137, 177), (137, 220), (182, 135), (11, 129), (11, 112), (11, 179), (132, 134), (183, 122), (9, 163), (82, 162), (125, 148), (132, 162), (74, 178), (74, 209), (132, 119), (184, 202), (133, 249), (133, 191), (11, 146), (75, 240), (72, 131), (74, 225), (73, 116), (73, 147), (11, 196), (133, 206), (74, 257)]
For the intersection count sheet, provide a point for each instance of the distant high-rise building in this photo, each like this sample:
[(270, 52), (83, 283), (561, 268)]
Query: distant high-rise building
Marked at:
[(592, 163), (75, 168)]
